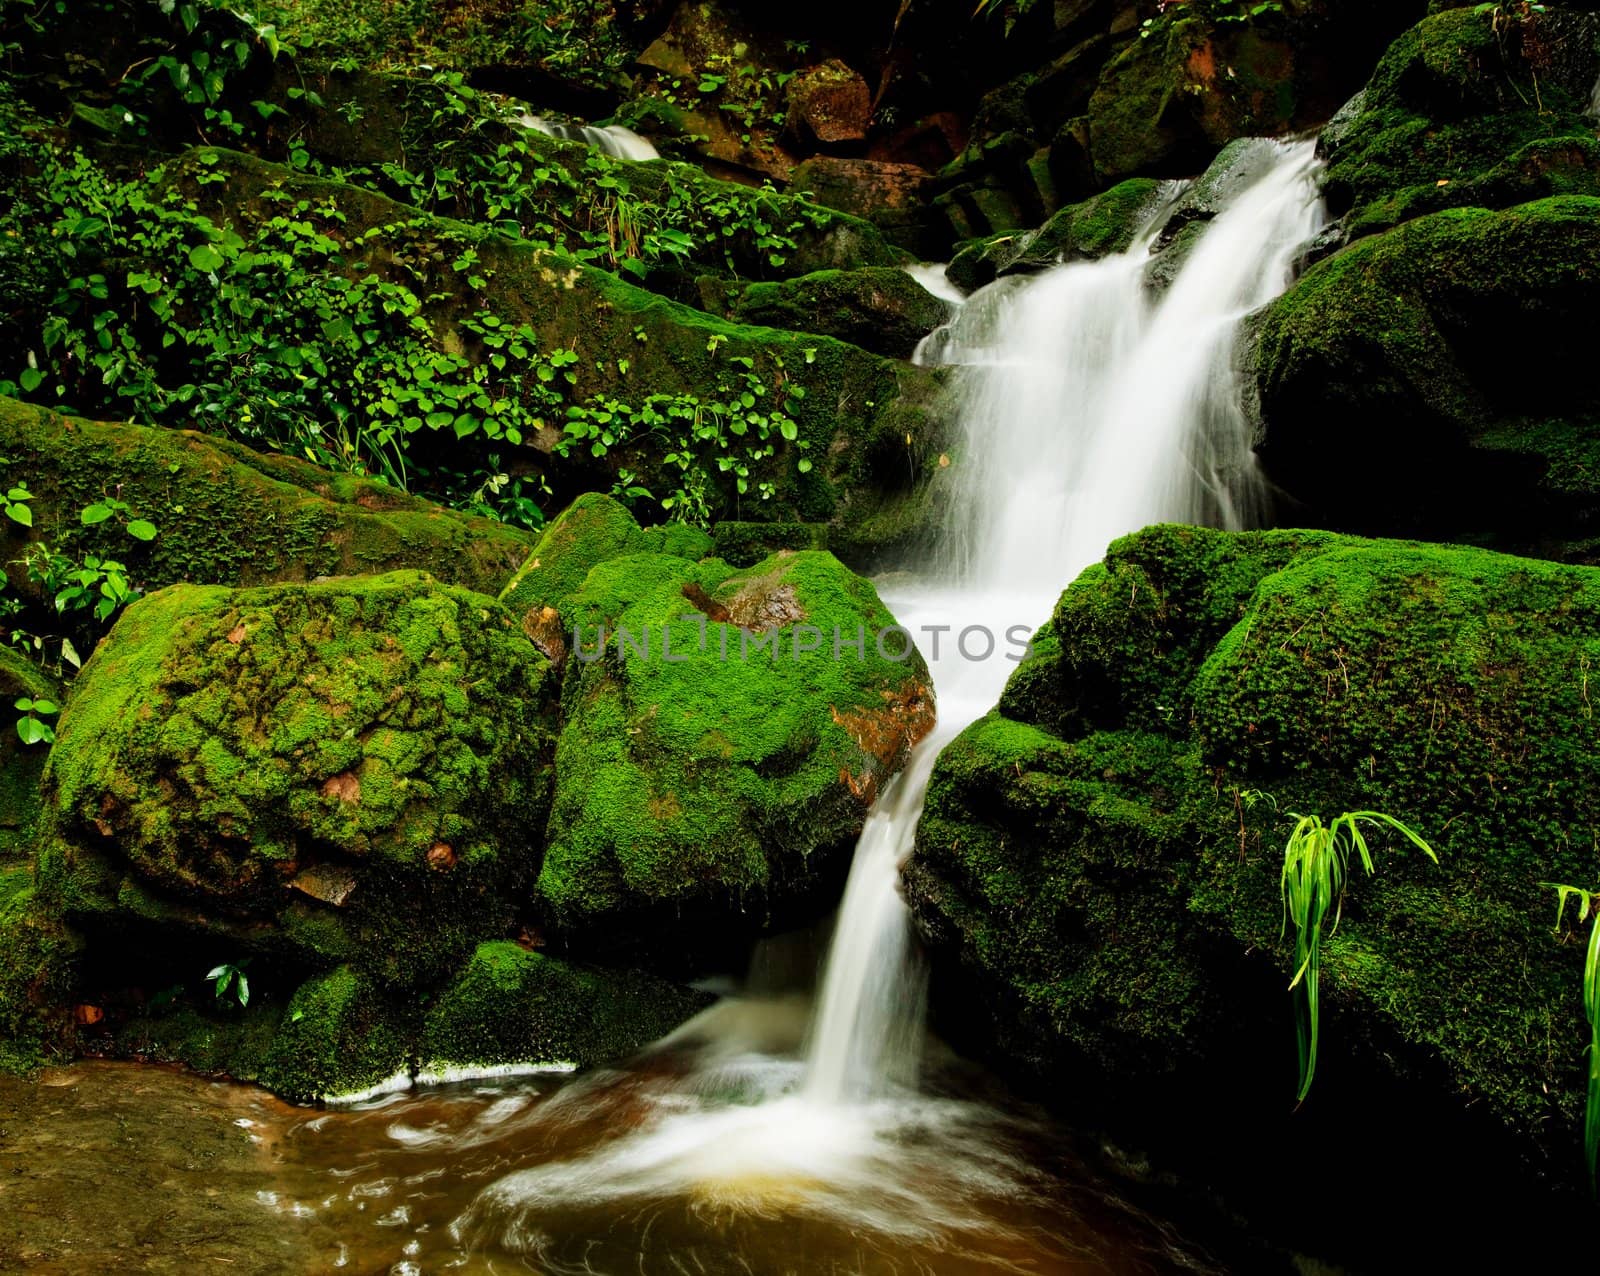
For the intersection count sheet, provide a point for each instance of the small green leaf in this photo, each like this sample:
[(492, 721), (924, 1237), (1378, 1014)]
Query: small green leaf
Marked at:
[(205, 257), (95, 513), (142, 530), (30, 380)]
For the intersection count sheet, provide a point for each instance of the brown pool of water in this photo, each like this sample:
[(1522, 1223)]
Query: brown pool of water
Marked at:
[(663, 1167)]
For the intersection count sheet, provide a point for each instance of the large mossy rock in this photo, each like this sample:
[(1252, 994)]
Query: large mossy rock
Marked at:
[(1435, 380), (227, 515), (880, 309), (350, 771), (1470, 108), (1097, 872), (717, 760)]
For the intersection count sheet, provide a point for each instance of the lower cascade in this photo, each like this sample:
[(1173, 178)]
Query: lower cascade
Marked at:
[(1090, 410)]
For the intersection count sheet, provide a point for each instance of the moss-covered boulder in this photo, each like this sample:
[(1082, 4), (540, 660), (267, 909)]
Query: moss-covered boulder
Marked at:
[(1434, 380), (338, 1037), (512, 1007), (1473, 107), (349, 771), (227, 515), (722, 733), (1098, 869), (1165, 103), (881, 309), (1104, 224)]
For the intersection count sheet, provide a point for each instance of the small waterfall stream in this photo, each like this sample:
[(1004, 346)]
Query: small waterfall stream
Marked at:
[(1090, 412), (612, 139), (1091, 409)]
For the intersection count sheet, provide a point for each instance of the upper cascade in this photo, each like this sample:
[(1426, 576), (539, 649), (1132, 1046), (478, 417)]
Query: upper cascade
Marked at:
[(610, 139)]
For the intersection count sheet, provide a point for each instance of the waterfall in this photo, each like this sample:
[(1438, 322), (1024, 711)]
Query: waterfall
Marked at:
[(1089, 411), (611, 139)]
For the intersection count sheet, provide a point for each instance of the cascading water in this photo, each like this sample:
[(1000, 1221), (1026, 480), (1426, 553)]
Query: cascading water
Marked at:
[(1092, 412), (1091, 409), (611, 139)]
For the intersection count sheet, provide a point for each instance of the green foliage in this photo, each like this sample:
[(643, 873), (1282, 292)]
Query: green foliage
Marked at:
[(1316, 864), (1587, 902), (580, 41), (230, 977), (467, 156), (31, 727), (186, 54)]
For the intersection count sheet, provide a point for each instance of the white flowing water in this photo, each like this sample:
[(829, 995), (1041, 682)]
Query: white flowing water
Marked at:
[(611, 139), (1093, 414), (1090, 410)]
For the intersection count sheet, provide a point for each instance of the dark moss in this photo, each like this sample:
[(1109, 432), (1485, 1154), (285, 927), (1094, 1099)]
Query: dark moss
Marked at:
[(230, 516), (21, 765), (745, 544), (633, 343), (1105, 224), (510, 1006), (881, 309), (35, 977), (1465, 111), (1394, 391)]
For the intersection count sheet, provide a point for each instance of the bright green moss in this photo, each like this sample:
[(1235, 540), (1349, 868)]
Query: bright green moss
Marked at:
[(339, 1036), (591, 530), (703, 761), (1104, 880), (225, 746), (511, 1006)]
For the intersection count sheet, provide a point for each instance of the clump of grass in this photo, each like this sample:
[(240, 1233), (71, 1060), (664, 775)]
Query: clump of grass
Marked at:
[(1587, 904), (1316, 865)]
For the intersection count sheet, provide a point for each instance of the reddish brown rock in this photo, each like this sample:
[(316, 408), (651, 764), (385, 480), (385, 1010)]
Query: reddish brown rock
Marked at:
[(864, 188), (829, 105)]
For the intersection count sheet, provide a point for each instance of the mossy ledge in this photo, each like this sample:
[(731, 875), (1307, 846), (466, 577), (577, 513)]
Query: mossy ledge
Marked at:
[(285, 520)]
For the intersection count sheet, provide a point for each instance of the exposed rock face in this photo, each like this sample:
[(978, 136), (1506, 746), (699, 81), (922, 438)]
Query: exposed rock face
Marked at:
[(1396, 388), (829, 105), (718, 759), (890, 195), (275, 767), (1098, 867)]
